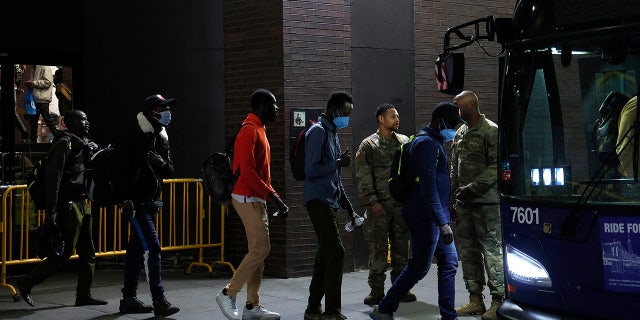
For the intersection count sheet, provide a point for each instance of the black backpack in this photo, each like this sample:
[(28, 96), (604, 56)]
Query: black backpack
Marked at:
[(400, 181), (36, 178), (217, 174), (100, 178), (297, 154)]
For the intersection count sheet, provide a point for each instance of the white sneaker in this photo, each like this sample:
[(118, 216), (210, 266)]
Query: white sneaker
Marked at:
[(228, 306), (259, 313)]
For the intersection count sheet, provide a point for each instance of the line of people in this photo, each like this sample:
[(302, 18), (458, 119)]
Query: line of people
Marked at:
[(463, 199)]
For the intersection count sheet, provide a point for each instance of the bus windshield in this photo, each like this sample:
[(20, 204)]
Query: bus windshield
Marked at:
[(568, 121)]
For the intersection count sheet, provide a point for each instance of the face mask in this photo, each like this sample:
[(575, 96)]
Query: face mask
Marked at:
[(448, 134), (341, 122), (165, 118)]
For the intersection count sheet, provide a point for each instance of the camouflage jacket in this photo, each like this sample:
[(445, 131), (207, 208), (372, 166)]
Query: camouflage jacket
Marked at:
[(474, 161), (373, 165)]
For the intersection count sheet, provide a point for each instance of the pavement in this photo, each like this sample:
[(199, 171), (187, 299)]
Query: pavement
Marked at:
[(195, 293)]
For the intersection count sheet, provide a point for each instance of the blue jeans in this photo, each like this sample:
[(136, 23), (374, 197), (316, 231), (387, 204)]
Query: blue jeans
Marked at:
[(134, 257), (425, 244)]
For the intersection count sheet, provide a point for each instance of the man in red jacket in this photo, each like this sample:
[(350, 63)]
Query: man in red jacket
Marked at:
[(251, 164)]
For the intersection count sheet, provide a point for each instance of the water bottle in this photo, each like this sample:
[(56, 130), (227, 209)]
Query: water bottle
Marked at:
[(358, 221)]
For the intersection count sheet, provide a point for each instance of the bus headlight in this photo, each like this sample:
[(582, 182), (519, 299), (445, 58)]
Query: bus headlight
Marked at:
[(525, 269)]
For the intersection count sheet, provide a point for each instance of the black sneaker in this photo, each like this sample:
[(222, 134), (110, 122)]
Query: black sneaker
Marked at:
[(25, 293), (89, 301), (162, 307), (133, 305)]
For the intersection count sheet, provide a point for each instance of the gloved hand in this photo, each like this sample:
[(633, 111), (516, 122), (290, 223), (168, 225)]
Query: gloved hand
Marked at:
[(345, 159), (446, 234), (126, 208), (50, 218), (283, 209), (353, 216)]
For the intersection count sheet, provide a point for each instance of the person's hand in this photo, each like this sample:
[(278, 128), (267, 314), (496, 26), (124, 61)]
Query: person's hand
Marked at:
[(353, 215), (155, 159), (283, 209), (92, 146), (345, 159), (50, 218), (463, 193), (126, 208), (377, 210), (28, 83), (446, 234)]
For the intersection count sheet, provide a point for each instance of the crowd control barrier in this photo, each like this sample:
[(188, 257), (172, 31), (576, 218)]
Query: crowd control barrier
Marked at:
[(188, 221)]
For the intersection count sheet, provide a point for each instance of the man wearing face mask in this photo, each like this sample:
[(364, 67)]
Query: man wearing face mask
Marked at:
[(145, 153), (324, 195), (426, 214), (475, 200)]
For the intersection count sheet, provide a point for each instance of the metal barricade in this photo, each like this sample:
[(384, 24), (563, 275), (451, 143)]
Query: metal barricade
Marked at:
[(185, 222)]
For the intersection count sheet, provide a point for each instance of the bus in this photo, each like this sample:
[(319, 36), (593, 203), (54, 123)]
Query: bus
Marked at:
[(568, 154)]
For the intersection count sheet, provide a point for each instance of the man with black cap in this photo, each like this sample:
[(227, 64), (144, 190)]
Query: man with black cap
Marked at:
[(145, 154), (426, 213)]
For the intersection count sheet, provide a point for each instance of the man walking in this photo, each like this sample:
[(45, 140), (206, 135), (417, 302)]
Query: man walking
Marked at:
[(384, 228), (251, 164), (324, 195), (65, 203), (426, 213), (475, 199), (147, 156)]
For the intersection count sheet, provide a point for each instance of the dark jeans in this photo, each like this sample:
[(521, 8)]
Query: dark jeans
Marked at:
[(425, 244), (76, 223), (327, 269), (42, 108), (134, 257)]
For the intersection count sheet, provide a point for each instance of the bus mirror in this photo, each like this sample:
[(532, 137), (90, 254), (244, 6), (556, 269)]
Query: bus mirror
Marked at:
[(450, 72)]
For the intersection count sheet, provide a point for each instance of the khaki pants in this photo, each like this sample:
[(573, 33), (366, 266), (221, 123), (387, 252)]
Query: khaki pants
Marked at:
[(256, 226)]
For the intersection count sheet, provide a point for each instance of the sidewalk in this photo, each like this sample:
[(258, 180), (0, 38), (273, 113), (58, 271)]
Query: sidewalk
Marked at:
[(195, 294)]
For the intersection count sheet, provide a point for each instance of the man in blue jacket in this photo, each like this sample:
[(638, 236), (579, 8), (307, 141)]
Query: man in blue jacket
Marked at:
[(426, 213)]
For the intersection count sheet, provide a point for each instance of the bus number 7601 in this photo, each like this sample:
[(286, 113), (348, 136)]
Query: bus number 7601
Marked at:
[(525, 215)]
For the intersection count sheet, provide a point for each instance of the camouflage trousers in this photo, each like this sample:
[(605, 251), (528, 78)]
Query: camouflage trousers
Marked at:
[(478, 235), (384, 234)]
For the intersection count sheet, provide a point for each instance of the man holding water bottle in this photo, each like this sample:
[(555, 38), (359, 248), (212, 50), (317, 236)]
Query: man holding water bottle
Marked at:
[(324, 195), (384, 228)]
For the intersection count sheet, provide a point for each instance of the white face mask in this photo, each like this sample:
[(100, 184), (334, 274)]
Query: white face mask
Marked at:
[(165, 118)]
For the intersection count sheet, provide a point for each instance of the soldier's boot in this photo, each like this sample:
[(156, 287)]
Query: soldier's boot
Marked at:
[(375, 296), (473, 307), (491, 313)]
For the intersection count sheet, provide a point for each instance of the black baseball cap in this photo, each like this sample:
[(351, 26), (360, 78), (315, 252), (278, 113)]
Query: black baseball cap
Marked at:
[(155, 100), (449, 112)]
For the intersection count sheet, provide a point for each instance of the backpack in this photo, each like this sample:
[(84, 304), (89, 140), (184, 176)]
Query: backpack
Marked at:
[(100, 178), (399, 181), (36, 179), (217, 174), (297, 154)]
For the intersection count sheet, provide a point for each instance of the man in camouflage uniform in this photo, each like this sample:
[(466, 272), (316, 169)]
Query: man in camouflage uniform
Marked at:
[(475, 200), (384, 224)]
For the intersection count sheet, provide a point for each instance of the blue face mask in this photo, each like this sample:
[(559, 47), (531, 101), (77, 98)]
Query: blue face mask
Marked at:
[(446, 133), (165, 118), (341, 122)]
